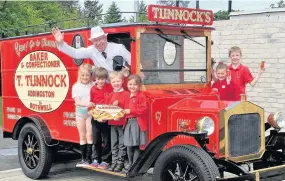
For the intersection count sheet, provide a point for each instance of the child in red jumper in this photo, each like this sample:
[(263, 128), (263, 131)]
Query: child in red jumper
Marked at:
[(135, 129), (117, 97), (223, 85), (101, 130)]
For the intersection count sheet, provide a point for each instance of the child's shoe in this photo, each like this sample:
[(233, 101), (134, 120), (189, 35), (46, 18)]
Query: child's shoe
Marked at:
[(82, 163), (95, 163), (111, 167), (126, 169), (103, 165), (83, 156), (119, 167)]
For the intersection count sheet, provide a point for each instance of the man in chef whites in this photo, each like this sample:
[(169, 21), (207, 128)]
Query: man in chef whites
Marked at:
[(101, 52)]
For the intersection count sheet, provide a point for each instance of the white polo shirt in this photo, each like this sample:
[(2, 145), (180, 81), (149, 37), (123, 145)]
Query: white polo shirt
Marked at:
[(112, 49), (82, 91)]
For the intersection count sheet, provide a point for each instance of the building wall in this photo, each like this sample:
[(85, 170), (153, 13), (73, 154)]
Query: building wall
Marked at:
[(260, 39), (265, 13)]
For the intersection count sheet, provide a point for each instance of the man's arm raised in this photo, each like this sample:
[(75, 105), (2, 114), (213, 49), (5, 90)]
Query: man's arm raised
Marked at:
[(79, 53)]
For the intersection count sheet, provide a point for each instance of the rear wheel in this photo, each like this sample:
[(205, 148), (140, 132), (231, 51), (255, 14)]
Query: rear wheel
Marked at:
[(34, 156), (185, 163)]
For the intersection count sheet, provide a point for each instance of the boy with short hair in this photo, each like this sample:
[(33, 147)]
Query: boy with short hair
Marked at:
[(223, 85), (240, 74), (117, 97), (100, 130)]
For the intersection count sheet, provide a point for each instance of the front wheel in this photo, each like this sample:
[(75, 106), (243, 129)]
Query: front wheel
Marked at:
[(185, 163), (34, 156)]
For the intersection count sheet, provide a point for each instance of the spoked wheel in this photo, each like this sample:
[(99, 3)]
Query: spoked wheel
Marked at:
[(185, 163), (35, 156), (31, 150), (181, 172)]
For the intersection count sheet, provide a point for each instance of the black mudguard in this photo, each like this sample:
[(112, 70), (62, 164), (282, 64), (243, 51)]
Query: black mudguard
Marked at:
[(154, 149), (38, 122), (275, 141)]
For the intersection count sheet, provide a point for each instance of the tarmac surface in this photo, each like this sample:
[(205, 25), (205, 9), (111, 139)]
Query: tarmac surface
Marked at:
[(8, 153), (65, 175)]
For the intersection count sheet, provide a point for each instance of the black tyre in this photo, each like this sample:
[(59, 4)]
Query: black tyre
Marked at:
[(34, 156), (185, 163)]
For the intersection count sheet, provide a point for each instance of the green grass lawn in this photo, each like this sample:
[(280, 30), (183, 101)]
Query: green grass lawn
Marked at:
[(0, 111)]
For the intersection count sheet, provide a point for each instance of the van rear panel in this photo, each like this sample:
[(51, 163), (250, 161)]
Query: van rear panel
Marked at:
[(37, 80)]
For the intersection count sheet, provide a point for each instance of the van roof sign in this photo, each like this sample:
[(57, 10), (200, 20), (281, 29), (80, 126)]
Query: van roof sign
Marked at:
[(179, 15)]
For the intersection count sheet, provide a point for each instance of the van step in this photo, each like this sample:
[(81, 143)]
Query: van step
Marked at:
[(103, 171)]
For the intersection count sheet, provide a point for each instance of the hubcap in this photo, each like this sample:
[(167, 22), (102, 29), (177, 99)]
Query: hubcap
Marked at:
[(31, 152)]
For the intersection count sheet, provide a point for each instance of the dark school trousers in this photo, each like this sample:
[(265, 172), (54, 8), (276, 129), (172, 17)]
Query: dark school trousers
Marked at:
[(117, 144), (101, 134)]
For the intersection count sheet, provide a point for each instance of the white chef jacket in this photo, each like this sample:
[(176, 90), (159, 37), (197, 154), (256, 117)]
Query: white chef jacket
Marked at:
[(112, 49)]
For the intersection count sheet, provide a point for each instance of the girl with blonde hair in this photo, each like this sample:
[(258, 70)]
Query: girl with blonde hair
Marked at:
[(81, 96)]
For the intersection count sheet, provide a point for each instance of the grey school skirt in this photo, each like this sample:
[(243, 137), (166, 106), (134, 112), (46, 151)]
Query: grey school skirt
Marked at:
[(133, 136)]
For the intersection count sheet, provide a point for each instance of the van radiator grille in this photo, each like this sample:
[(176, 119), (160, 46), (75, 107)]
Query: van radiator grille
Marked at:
[(244, 134)]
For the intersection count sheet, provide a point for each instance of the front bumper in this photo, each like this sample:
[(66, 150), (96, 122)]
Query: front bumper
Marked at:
[(265, 174)]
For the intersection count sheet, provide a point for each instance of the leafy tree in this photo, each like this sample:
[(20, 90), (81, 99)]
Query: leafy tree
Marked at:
[(54, 13), (221, 15), (15, 16), (280, 4), (49, 11), (182, 3), (113, 14), (69, 6), (93, 10), (72, 11), (142, 10)]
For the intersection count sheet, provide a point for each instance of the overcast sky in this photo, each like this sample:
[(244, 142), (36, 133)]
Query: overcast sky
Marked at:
[(214, 5)]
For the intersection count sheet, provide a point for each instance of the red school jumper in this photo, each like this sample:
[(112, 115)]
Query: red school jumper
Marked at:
[(240, 77), (227, 91), (97, 96), (138, 106), (121, 97)]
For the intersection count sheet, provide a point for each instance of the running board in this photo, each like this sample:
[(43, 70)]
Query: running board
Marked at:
[(103, 171)]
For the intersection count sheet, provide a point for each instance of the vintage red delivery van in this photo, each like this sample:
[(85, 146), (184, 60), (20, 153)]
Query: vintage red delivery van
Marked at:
[(192, 134)]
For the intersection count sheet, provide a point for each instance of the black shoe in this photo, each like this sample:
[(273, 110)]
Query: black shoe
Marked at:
[(119, 167), (111, 167)]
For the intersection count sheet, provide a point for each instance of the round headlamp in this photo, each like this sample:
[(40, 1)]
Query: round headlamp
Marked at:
[(206, 124), (276, 120)]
